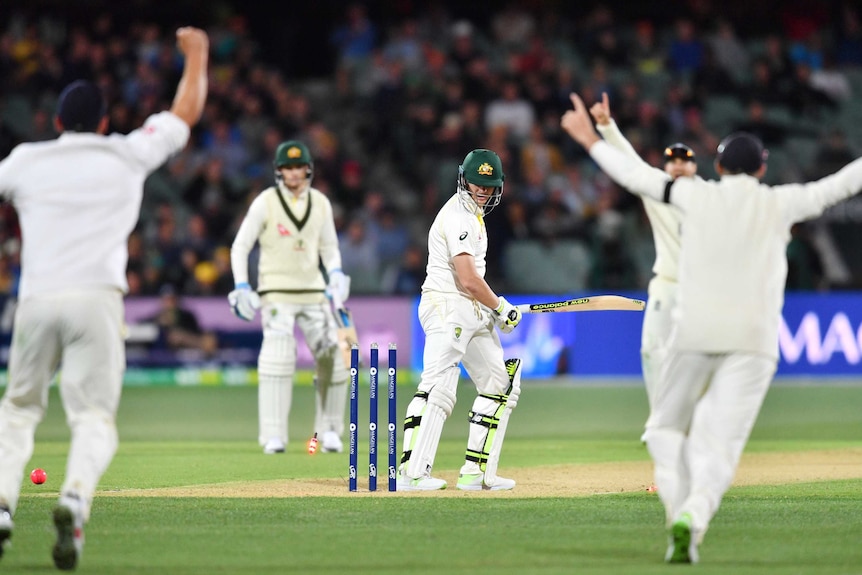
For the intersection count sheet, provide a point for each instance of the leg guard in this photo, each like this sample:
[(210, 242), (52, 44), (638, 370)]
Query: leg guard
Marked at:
[(412, 421), (275, 366), (426, 437), (489, 419), (330, 385)]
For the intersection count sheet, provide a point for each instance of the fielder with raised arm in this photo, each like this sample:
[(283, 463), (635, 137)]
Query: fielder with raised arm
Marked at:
[(723, 348), (458, 311), (294, 226), (78, 198), (664, 219)]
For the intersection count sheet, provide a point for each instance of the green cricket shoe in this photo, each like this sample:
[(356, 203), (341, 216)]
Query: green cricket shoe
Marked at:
[(683, 544)]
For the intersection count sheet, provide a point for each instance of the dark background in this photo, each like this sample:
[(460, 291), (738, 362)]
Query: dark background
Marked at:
[(294, 35)]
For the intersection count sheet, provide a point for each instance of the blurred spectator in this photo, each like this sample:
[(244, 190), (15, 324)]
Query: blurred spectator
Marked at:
[(463, 49), (223, 283), (197, 237), (512, 26), (804, 99), (804, 268), (831, 81), (712, 79), (393, 237), (355, 38), (848, 43), (350, 188), (772, 134), (405, 46), (776, 57), (223, 142), (576, 191), (359, 257), (179, 329), (833, 153), (511, 110), (728, 50), (539, 154), (612, 267), (686, 49), (407, 278), (645, 54), (41, 127), (212, 190), (401, 108), (554, 220)]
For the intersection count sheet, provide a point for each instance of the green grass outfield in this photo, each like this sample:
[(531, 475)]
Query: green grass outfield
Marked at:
[(191, 437)]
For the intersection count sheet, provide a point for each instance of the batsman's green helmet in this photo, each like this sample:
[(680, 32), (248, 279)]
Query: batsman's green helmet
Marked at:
[(483, 168)]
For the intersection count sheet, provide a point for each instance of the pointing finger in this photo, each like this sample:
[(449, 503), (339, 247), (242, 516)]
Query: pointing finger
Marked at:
[(577, 102)]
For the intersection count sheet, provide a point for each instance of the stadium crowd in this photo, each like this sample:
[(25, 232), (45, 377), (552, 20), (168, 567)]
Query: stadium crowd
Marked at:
[(410, 95)]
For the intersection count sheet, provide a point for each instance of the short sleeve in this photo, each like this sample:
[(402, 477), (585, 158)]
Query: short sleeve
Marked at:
[(460, 234), (162, 135)]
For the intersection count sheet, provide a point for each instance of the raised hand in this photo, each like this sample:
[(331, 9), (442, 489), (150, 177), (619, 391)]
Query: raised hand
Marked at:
[(601, 111), (190, 39), (578, 125)]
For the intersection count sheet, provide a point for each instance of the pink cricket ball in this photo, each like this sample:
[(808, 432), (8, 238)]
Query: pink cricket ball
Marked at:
[(38, 476)]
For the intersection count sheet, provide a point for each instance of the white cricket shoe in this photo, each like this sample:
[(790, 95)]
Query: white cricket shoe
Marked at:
[(332, 443), (274, 445), (69, 521), (424, 483), (6, 526), (476, 482)]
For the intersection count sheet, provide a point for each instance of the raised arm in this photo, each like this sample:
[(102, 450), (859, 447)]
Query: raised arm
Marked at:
[(636, 176), (191, 93), (607, 127)]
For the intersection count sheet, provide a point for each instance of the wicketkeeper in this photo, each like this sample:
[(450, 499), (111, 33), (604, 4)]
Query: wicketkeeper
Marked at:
[(293, 223)]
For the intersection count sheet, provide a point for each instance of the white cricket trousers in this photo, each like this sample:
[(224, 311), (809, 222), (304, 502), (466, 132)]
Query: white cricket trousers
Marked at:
[(459, 330), (703, 411), (661, 298), (277, 365), (82, 333)]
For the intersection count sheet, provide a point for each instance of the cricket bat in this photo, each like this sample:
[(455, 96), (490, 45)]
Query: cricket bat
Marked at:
[(593, 303), (346, 329)]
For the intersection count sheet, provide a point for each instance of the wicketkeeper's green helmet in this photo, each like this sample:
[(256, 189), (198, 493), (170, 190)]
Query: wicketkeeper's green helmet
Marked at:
[(293, 153)]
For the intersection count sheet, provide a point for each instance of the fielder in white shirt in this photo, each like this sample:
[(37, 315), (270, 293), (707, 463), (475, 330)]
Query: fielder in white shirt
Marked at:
[(458, 312), (294, 225), (78, 198), (723, 347), (664, 219)]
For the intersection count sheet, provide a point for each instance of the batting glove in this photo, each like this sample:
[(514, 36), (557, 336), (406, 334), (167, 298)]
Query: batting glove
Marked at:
[(244, 302), (339, 286), (507, 316)]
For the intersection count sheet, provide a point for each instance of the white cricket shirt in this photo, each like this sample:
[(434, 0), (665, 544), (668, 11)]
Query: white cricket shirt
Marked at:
[(664, 218), (79, 197), (733, 262), (455, 231)]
